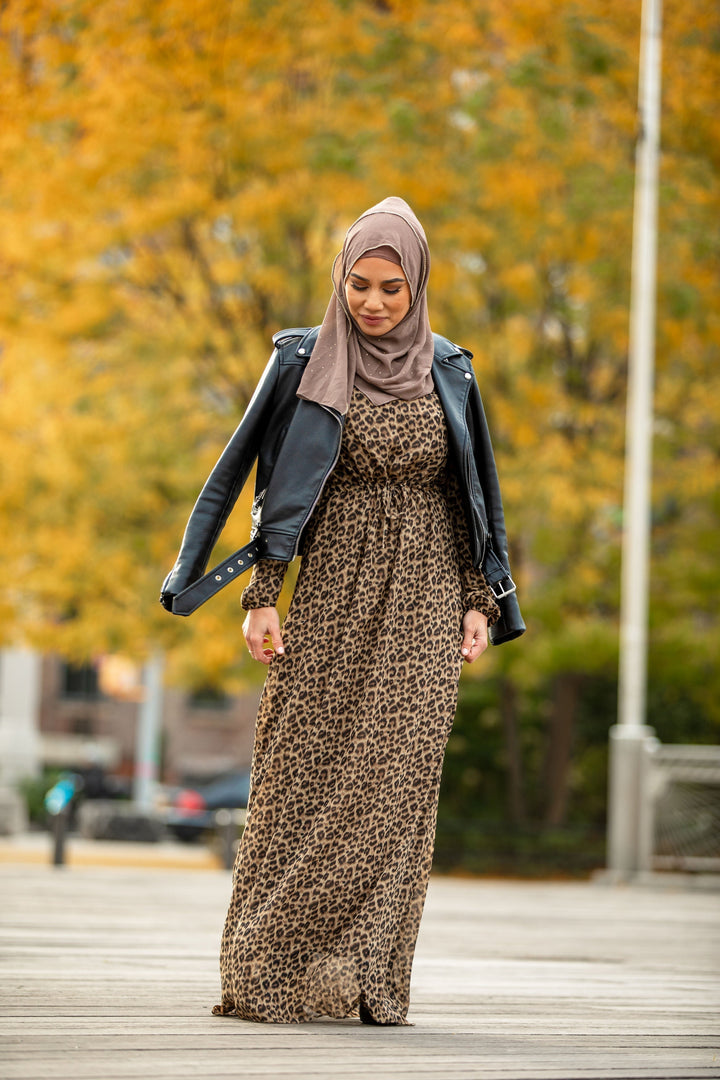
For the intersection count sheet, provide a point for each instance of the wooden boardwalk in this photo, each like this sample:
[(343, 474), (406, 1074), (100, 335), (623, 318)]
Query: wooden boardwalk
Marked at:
[(110, 973)]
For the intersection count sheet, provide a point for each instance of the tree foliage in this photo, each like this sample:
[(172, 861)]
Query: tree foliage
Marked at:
[(175, 180)]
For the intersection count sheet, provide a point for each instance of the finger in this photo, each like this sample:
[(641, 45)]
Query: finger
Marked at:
[(252, 644), (261, 630), (261, 648), (272, 646), (478, 647), (255, 628), (258, 645), (468, 640), (272, 639), (475, 638), (255, 642)]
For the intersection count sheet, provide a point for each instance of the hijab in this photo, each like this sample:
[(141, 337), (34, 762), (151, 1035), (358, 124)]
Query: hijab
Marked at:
[(397, 364)]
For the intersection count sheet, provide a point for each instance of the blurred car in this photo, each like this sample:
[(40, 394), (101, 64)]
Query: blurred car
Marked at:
[(192, 810)]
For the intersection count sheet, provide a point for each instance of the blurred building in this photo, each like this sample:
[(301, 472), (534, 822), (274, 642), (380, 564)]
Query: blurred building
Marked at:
[(64, 715)]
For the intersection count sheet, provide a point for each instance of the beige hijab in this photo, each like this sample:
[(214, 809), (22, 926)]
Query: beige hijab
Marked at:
[(398, 364)]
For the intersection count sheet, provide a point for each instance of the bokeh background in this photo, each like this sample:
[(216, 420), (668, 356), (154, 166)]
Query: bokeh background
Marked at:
[(175, 180)]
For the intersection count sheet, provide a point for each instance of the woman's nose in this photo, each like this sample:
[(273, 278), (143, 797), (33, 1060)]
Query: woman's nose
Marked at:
[(373, 300)]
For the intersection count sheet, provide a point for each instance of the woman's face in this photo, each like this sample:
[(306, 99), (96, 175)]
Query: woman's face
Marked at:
[(378, 295)]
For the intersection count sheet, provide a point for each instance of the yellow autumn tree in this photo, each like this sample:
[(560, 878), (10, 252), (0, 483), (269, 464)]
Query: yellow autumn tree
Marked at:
[(175, 181)]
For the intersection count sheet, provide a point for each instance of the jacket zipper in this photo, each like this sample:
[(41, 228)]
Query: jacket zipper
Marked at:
[(485, 535), (468, 484), (316, 500)]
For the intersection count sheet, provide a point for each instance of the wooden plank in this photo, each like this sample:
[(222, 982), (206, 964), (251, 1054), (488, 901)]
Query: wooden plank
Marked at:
[(110, 974)]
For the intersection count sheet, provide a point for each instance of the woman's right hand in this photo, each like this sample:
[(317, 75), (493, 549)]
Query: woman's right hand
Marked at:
[(262, 634)]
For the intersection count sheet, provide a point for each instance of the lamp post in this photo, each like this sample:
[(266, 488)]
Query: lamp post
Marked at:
[(629, 736)]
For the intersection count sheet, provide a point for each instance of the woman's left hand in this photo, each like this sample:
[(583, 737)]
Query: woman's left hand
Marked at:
[(475, 635)]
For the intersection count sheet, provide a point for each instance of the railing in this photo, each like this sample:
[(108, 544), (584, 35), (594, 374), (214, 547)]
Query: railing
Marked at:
[(679, 808)]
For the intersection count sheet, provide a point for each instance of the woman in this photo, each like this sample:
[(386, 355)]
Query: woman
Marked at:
[(375, 463)]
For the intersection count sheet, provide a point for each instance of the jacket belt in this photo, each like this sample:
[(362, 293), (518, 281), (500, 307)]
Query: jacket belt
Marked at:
[(190, 599), (497, 576)]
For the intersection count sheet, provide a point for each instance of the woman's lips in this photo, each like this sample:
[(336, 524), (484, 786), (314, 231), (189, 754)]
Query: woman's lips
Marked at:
[(373, 318)]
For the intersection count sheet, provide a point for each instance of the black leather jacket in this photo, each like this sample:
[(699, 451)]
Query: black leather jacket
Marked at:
[(296, 444)]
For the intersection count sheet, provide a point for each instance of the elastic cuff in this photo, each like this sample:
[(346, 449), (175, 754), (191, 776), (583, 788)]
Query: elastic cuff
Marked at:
[(265, 584), (482, 601)]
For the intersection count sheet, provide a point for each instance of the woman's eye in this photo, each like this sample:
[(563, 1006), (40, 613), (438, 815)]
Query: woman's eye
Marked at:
[(358, 288), (391, 292)]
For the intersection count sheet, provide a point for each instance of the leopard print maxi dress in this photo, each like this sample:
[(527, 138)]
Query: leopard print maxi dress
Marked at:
[(330, 878)]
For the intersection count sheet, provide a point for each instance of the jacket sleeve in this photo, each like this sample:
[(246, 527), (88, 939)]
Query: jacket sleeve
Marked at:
[(265, 584), (476, 595), (510, 623), (222, 488)]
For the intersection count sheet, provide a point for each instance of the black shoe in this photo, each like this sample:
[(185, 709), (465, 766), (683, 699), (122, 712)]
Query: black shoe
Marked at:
[(366, 1016)]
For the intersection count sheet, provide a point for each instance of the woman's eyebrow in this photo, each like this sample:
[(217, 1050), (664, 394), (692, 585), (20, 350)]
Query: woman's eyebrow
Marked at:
[(387, 281)]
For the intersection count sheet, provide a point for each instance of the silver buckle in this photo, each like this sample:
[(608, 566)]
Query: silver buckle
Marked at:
[(499, 591)]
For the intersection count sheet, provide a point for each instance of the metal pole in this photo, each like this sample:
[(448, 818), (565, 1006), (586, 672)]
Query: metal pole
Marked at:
[(626, 740), (60, 823), (636, 539), (148, 735)]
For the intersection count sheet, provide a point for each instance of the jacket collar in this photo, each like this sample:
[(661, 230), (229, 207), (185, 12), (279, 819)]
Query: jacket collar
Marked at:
[(446, 350)]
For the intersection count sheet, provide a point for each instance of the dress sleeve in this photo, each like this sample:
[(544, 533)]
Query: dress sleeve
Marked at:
[(265, 584), (476, 595)]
